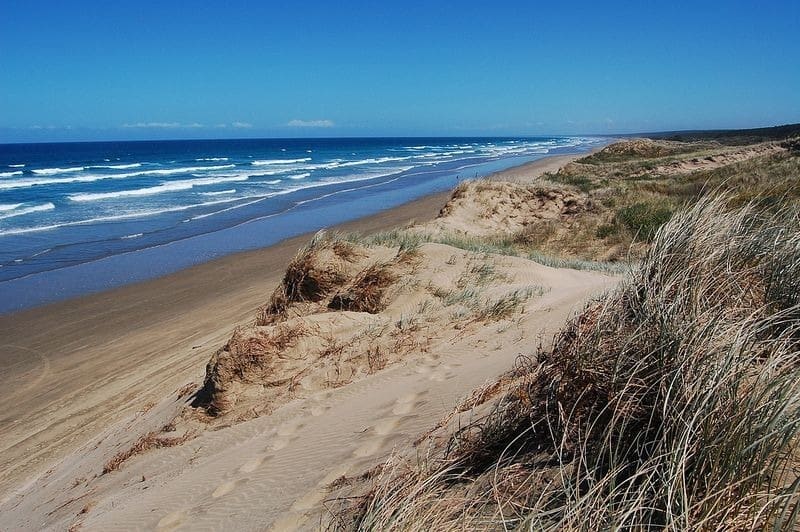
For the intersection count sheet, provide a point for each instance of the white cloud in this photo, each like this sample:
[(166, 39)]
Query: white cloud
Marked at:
[(182, 125), (163, 125), (310, 123)]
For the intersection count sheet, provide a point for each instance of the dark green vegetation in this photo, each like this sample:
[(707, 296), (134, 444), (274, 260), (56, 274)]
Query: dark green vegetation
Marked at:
[(733, 136)]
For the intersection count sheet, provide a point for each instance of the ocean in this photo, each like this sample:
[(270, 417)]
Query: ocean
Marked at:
[(76, 218)]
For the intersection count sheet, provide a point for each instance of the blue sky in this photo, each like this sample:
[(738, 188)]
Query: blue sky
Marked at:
[(98, 70)]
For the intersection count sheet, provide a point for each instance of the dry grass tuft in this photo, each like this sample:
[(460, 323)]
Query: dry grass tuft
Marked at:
[(186, 389), (151, 440), (311, 275), (367, 290), (249, 357)]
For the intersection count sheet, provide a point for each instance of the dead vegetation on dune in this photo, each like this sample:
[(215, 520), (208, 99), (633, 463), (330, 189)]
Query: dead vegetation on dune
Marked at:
[(672, 403), (315, 270), (343, 311), (251, 356), (149, 441), (367, 291)]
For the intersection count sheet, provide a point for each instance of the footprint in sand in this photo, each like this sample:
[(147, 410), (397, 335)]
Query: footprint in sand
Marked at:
[(289, 428), (288, 523), (388, 425), (334, 474), (402, 408), (226, 487), (405, 404), (369, 448), (279, 444), (309, 500), (171, 521), (441, 375), (285, 434), (385, 426), (318, 410), (253, 464)]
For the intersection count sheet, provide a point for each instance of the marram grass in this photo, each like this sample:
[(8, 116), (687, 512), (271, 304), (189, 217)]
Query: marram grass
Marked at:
[(672, 403)]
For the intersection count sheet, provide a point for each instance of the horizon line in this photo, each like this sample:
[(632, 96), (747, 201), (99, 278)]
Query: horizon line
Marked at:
[(345, 137)]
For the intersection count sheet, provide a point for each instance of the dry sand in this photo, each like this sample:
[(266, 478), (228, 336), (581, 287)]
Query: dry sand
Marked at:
[(86, 378)]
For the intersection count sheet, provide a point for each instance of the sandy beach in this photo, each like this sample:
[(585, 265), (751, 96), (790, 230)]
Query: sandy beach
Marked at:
[(73, 368), (383, 267), (273, 389)]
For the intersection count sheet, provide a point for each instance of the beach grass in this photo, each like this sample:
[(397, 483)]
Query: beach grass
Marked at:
[(500, 245), (671, 403)]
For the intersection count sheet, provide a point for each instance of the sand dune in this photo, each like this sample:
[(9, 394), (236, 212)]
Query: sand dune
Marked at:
[(718, 158), (274, 469), (486, 208), (110, 434)]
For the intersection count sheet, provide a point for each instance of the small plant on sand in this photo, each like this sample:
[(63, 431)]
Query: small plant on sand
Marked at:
[(466, 297), (478, 273), (151, 440), (503, 307)]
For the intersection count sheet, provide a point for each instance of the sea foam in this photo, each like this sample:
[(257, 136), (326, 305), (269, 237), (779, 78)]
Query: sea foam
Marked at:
[(267, 162), (117, 166), (169, 186), (87, 178), (219, 192), (112, 218), (376, 160), (54, 171), (27, 210)]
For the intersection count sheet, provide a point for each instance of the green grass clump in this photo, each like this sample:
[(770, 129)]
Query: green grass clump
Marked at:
[(581, 182), (507, 305), (644, 219)]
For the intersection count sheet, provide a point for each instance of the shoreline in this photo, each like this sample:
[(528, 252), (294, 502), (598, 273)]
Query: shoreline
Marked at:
[(50, 282), (77, 365)]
